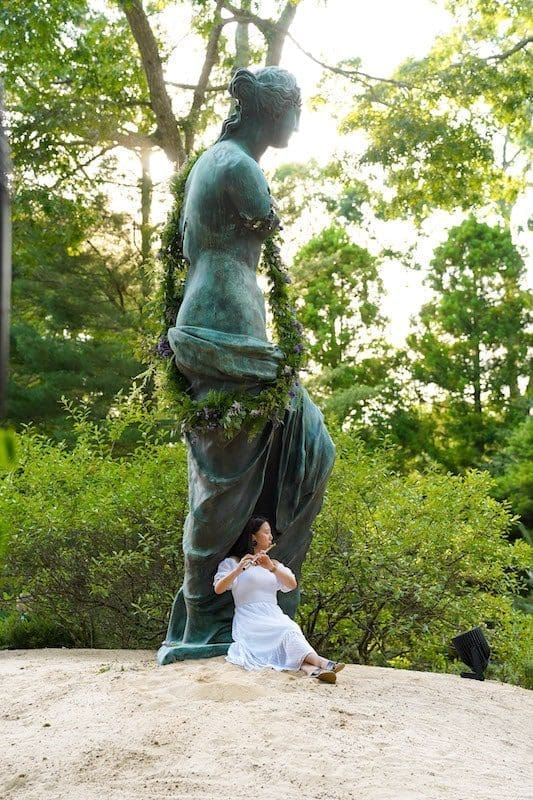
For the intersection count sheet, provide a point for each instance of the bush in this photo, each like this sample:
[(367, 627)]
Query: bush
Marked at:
[(399, 565), (26, 632), (92, 538)]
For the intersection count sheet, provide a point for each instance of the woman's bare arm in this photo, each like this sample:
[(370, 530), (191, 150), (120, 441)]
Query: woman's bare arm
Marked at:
[(285, 576), (225, 583)]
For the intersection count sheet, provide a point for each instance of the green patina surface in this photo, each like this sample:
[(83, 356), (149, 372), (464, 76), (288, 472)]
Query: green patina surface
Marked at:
[(220, 343)]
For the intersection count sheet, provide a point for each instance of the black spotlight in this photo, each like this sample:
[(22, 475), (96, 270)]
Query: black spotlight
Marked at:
[(474, 650)]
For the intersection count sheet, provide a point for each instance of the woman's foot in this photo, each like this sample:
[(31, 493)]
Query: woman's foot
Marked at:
[(334, 666), (324, 675)]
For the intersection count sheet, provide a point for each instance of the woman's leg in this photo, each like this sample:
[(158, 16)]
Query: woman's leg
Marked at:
[(312, 661)]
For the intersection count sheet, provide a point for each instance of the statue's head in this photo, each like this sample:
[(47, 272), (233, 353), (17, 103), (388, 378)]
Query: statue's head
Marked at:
[(270, 98)]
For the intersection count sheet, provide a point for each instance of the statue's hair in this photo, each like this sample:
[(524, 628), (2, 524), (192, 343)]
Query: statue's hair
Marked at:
[(265, 93)]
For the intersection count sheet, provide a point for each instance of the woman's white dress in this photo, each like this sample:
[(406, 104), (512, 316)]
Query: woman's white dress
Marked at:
[(263, 635)]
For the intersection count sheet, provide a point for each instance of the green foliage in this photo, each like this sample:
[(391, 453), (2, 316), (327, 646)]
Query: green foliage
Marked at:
[(93, 532), (73, 81), (296, 186), (399, 565), (472, 339), (75, 306), (361, 379), (8, 460), (452, 130), (338, 283), (24, 632), (513, 470), (8, 449)]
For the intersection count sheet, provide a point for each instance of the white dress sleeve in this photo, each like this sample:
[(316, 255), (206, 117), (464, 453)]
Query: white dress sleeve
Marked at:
[(280, 587), (224, 568)]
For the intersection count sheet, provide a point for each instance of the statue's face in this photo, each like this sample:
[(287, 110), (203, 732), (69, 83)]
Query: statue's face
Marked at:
[(283, 127)]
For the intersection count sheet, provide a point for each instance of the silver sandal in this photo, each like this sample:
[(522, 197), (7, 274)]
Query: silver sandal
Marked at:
[(335, 666), (324, 675)]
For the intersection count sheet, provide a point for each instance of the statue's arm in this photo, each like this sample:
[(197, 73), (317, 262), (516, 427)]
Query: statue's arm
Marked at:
[(248, 193)]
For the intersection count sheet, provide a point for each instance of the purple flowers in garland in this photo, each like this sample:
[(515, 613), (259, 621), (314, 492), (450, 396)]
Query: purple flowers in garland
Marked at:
[(163, 347)]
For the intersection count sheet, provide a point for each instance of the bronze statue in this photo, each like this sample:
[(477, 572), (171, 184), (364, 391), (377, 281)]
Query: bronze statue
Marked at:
[(219, 341)]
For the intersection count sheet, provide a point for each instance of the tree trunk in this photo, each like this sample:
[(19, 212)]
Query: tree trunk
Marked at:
[(276, 38), (477, 379), (146, 230), (242, 41), (211, 53), (167, 129), (5, 266)]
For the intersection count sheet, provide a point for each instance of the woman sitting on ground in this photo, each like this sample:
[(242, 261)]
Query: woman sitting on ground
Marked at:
[(263, 635)]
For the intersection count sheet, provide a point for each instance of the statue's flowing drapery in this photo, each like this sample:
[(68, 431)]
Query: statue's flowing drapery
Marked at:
[(280, 473)]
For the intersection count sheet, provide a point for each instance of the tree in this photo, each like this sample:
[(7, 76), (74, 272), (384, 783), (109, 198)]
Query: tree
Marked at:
[(353, 370), (356, 376), (472, 340), (75, 306), (452, 130), (512, 470), (82, 83), (338, 283)]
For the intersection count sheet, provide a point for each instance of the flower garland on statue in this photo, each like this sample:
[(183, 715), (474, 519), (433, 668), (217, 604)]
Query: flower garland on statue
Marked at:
[(223, 410)]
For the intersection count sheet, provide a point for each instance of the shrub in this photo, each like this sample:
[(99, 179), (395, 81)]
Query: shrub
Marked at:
[(24, 632), (399, 565), (95, 539)]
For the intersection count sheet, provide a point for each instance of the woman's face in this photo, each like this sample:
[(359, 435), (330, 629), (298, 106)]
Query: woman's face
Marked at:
[(263, 537)]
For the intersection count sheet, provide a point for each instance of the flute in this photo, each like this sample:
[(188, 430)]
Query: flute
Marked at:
[(250, 563)]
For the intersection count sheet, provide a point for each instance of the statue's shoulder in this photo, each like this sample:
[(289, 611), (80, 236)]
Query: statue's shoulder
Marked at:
[(231, 163), (227, 170)]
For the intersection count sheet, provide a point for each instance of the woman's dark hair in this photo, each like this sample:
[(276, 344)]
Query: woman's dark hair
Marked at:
[(267, 92), (244, 543)]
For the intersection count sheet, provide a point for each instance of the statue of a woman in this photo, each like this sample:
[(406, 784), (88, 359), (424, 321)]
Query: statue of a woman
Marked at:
[(220, 342)]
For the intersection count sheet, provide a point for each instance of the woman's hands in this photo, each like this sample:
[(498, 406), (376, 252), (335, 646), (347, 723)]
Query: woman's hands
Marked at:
[(260, 559), (246, 561), (264, 561), (225, 583)]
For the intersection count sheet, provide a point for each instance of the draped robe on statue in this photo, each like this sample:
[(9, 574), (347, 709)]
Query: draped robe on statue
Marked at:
[(219, 342)]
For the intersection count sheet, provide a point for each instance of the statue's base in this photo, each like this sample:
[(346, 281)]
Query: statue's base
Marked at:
[(168, 653)]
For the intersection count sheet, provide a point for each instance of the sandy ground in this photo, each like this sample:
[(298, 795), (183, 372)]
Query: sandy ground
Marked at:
[(112, 725)]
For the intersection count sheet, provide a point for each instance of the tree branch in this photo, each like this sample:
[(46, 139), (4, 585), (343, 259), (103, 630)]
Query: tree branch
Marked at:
[(242, 15), (135, 141), (276, 39), (193, 86), (80, 166), (350, 73), (274, 31), (167, 128), (518, 46), (211, 53), (242, 40)]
